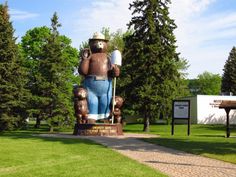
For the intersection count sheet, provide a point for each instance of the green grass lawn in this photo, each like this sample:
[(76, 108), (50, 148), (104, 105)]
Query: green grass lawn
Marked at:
[(24, 155), (206, 140)]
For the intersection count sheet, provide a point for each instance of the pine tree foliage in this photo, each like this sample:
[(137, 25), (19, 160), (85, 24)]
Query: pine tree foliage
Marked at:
[(151, 63), (229, 75), (13, 95)]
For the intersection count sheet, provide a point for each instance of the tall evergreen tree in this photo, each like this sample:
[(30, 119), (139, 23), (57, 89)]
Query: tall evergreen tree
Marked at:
[(151, 64), (13, 95), (229, 75), (55, 76)]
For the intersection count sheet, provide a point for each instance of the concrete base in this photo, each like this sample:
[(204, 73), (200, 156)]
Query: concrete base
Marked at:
[(98, 129)]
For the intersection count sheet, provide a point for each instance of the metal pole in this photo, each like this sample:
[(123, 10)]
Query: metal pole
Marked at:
[(188, 126), (172, 126), (113, 101)]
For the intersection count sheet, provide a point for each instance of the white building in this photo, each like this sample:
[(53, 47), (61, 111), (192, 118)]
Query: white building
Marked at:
[(202, 110)]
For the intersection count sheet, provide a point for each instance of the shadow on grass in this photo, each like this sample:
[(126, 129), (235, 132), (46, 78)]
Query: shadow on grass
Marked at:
[(123, 143), (195, 146), (34, 134), (190, 164), (200, 144), (216, 127), (213, 136), (133, 131)]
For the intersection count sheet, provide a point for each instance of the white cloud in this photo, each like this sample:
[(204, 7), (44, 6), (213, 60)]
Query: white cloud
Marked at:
[(182, 10), (21, 15), (199, 36), (203, 39), (102, 13)]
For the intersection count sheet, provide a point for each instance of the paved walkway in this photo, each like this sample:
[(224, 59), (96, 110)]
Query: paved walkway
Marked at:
[(171, 162)]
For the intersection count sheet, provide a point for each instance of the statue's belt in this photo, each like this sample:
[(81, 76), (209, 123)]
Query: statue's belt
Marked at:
[(97, 78)]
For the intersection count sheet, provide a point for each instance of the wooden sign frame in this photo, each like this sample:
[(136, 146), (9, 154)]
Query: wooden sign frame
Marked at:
[(180, 110)]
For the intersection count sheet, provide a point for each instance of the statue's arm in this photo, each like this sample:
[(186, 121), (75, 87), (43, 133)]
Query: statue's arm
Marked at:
[(85, 60), (114, 71)]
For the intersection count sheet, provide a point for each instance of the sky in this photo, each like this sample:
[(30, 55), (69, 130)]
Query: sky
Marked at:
[(206, 29)]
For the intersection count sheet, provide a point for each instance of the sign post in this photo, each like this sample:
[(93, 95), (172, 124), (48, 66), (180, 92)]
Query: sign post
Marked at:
[(227, 105), (180, 110)]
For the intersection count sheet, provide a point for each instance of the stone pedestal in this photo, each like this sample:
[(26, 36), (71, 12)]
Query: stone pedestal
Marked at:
[(98, 129)]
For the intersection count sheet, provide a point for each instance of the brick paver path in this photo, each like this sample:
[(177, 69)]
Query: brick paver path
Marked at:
[(171, 162)]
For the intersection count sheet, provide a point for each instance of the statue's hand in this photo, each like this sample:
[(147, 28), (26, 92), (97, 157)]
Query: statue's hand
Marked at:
[(115, 71), (86, 54)]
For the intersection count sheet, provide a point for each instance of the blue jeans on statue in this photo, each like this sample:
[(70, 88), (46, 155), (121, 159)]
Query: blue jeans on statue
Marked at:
[(99, 96)]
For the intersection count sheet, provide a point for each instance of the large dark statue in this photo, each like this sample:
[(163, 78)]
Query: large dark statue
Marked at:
[(98, 72)]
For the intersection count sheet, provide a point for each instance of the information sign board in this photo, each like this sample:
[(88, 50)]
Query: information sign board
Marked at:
[(180, 110)]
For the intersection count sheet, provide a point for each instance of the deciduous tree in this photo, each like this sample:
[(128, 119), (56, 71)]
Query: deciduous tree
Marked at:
[(31, 48), (208, 84), (32, 45), (56, 74)]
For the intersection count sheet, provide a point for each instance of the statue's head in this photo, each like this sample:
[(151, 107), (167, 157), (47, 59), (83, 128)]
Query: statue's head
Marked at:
[(80, 93), (119, 101), (98, 44)]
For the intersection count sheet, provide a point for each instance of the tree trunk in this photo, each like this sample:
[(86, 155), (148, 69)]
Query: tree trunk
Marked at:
[(51, 129), (146, 123), (38, 123)]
